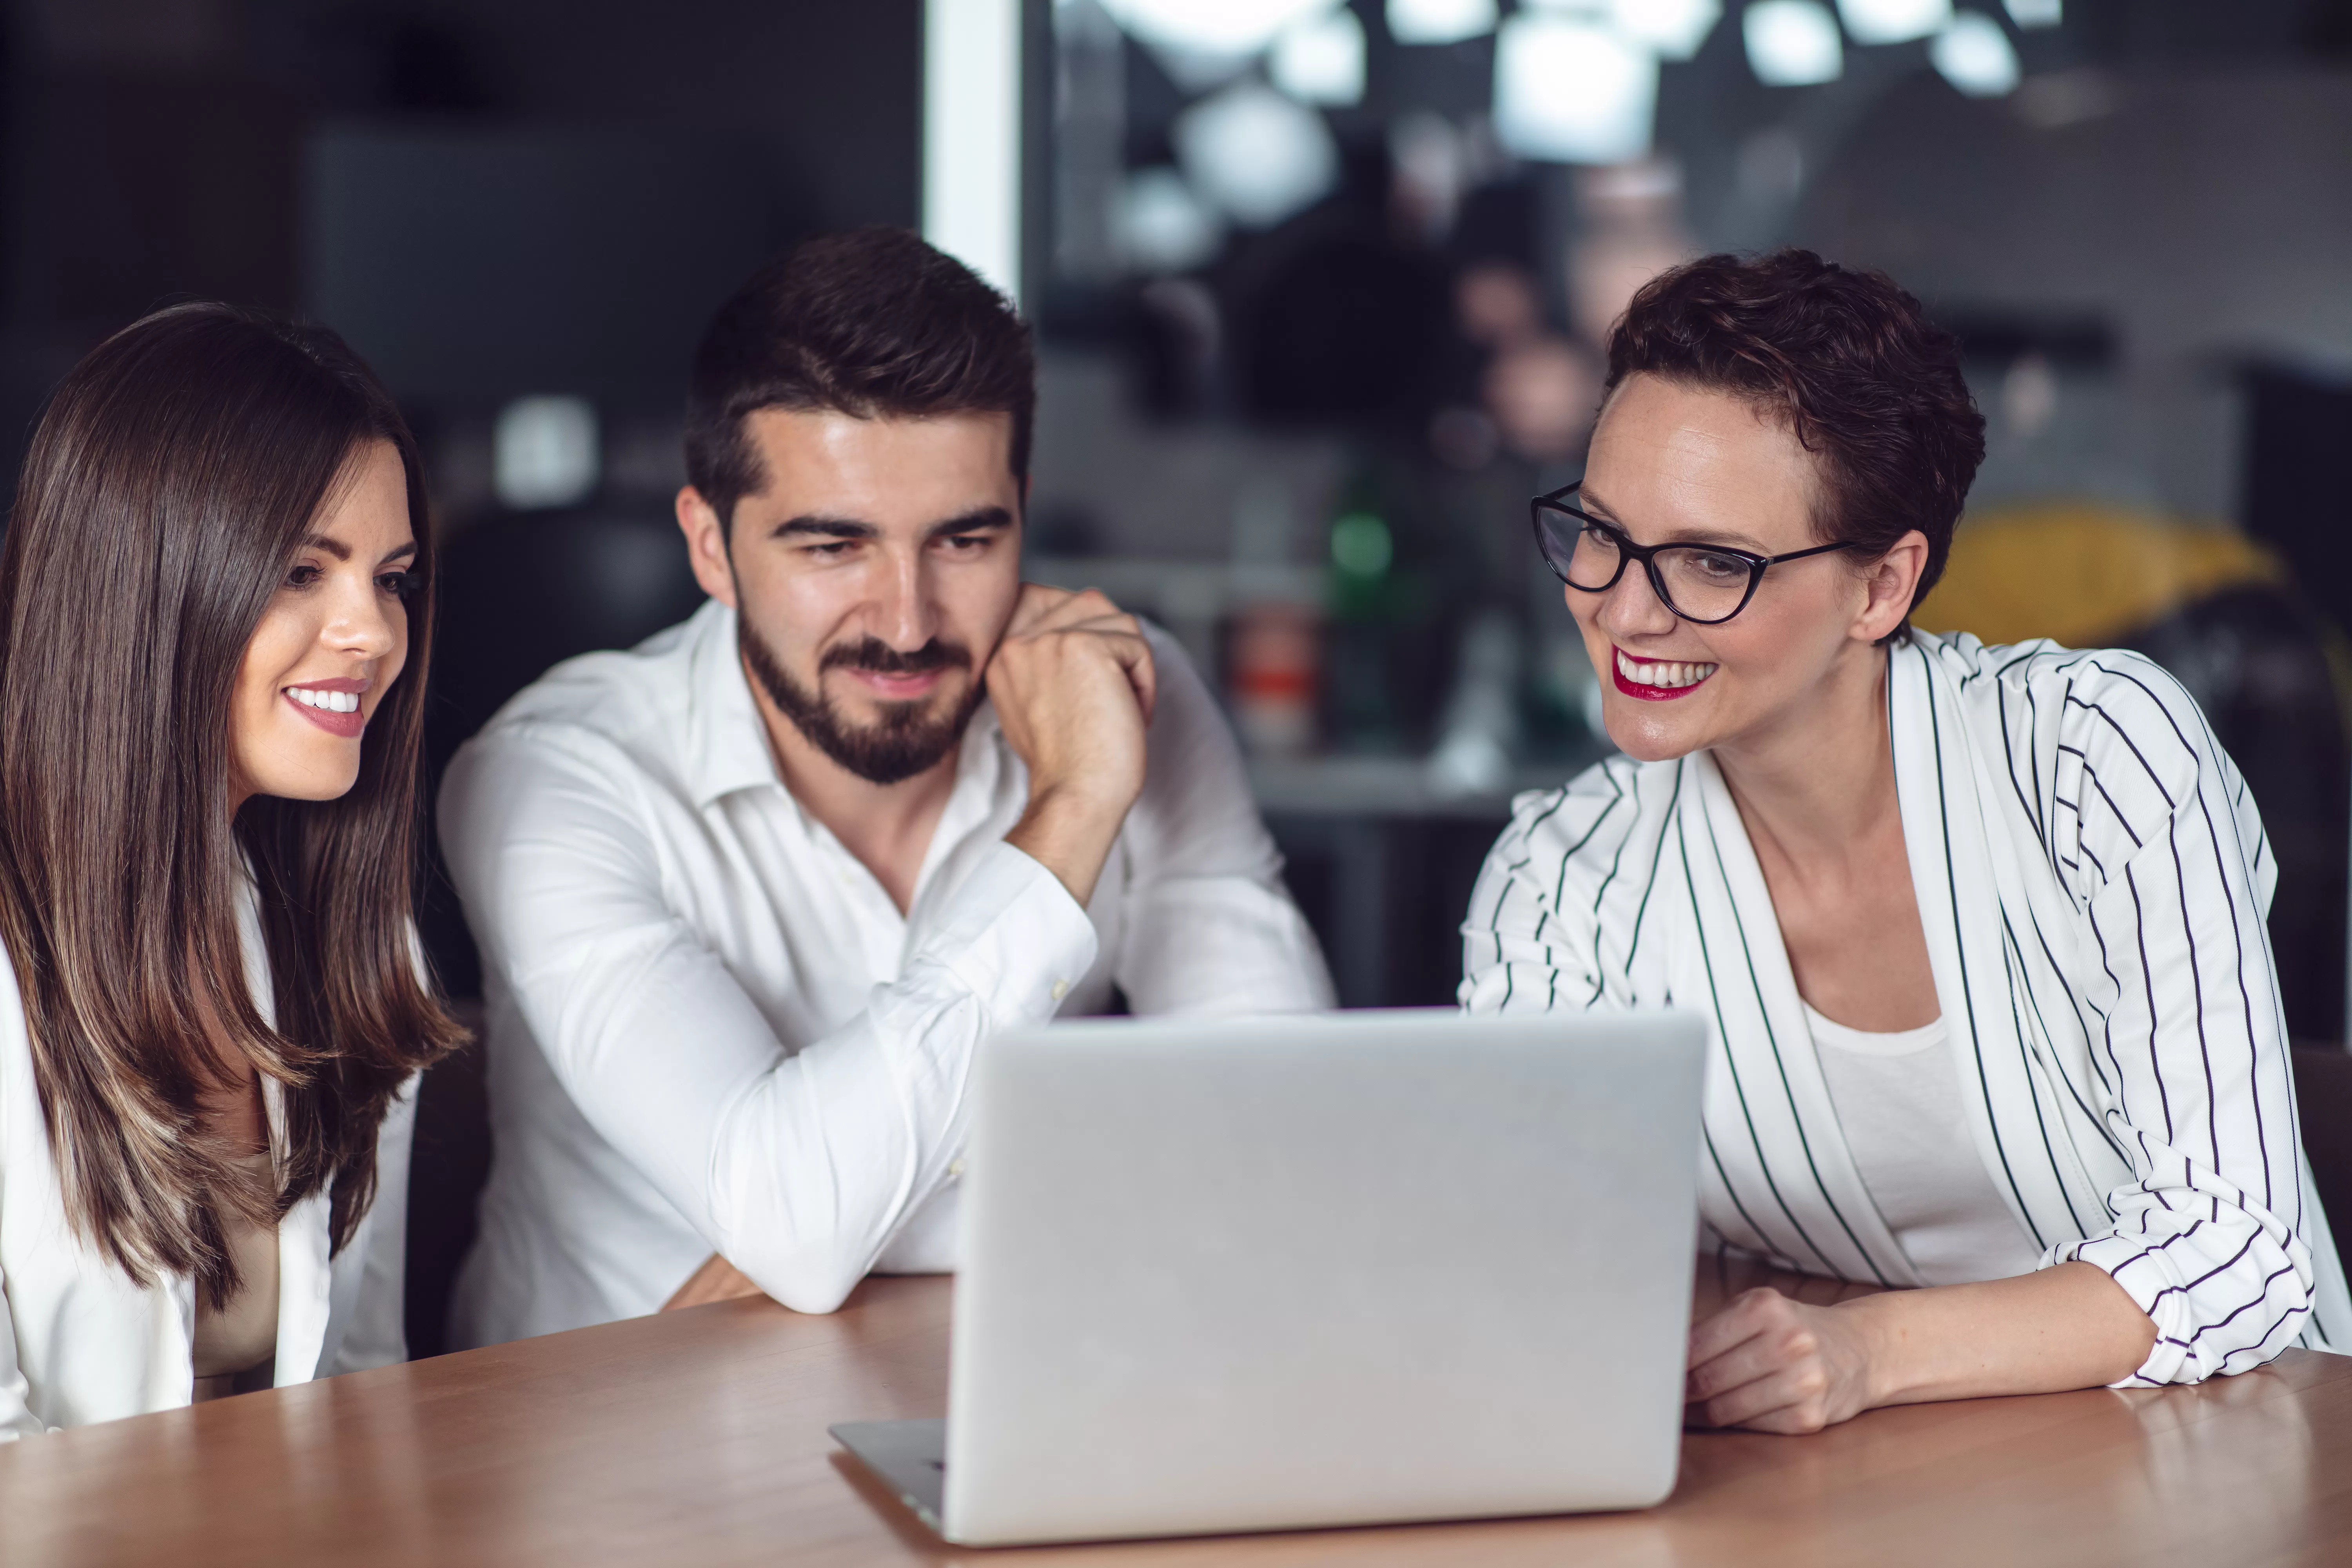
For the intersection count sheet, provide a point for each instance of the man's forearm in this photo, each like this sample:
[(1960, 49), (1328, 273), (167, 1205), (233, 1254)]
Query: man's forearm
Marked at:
[(1070, 835)]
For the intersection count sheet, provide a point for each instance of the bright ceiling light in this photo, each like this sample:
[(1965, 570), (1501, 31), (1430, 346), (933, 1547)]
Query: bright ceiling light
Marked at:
[(1792, 43), (1255, 154), (1322, 59), (1162, 227), (1674, 28), (1439, 21), (1227, 27), (1894, 21), (2037, 13), (544, 453), (1975, 56), (1569, 91)]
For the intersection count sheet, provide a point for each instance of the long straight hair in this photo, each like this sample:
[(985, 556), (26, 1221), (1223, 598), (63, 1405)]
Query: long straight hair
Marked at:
[(166, 495)]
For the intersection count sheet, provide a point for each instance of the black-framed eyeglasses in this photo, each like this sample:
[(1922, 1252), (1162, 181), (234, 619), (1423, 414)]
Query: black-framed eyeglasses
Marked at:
[(1707, 583)]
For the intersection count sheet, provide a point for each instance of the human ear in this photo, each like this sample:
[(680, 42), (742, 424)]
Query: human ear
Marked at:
[(1892, 581), (705, 546)]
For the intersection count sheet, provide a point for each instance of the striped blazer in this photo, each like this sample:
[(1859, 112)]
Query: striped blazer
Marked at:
[(2092, 876)]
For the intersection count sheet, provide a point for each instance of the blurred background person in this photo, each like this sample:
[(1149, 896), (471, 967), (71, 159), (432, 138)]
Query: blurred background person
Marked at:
[(213, 627)]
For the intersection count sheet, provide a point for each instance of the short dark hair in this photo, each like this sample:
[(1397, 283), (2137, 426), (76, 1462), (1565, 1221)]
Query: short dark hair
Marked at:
[(874, 324), (1847, 360)]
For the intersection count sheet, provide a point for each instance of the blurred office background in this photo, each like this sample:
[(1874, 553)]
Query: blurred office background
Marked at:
[(1319, 286)]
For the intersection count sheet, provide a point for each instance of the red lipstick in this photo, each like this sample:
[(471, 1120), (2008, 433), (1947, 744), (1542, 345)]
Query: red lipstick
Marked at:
[(1647, 693)]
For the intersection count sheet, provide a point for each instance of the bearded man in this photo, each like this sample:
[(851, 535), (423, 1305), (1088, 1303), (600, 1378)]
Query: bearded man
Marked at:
[(750, 895)]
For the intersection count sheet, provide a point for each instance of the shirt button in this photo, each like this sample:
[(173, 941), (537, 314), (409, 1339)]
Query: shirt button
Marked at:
[(955, 1168), (1061, 989)]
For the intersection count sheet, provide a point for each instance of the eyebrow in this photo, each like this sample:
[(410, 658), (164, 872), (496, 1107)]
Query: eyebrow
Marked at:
[(341, 551), (1597, 507), (824, 526), (1608, 514), (334, 547)]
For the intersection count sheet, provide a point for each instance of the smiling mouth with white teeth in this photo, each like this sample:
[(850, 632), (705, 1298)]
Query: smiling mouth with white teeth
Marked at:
[(337, 711), (1659, 681)]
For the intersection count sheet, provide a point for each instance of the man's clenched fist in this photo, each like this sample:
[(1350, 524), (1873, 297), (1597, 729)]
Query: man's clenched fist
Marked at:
[(1073, 686)]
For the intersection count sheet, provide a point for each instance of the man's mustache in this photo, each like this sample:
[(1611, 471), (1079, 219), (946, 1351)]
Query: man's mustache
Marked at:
[(879, 656)]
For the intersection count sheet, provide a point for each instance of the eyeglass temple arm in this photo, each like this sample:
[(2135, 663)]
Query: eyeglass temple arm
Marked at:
[(1816, 550)]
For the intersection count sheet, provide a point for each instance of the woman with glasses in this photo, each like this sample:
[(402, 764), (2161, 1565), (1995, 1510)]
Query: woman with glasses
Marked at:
[(1980, 928)]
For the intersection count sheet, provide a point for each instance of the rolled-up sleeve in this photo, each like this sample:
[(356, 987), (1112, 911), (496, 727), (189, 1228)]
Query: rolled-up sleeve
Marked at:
[(2209, 1235), (797, 1160)]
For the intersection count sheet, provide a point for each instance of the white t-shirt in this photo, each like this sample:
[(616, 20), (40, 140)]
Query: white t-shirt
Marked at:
[(1898, 1100)]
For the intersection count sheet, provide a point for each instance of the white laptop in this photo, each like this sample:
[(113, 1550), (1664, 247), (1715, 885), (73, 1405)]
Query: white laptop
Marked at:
[(1346, 1268)]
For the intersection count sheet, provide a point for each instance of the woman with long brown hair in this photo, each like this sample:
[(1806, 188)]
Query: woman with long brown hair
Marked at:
[(212, 655)]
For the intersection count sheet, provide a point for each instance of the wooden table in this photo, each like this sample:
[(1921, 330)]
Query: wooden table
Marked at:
[(700, 1438)]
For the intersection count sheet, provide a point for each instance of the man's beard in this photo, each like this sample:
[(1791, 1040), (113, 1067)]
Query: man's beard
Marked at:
[(904, 741)]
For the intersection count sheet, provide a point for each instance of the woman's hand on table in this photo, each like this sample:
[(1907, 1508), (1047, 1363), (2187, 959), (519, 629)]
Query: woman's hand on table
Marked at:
[(1774, 1364)]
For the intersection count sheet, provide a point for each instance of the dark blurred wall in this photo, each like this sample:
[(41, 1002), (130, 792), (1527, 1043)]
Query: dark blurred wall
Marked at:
[(155, 149), (833, 90), (474, 261), (2203, 211)]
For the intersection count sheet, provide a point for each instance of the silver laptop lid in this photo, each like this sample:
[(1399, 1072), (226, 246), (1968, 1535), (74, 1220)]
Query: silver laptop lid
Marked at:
[(1242, 1275)]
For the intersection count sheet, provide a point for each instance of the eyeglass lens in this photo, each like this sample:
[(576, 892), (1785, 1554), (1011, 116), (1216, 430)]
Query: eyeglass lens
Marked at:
[(1704, 584)]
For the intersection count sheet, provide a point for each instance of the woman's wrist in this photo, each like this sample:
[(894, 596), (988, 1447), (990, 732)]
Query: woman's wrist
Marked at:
[(1888, 1347)]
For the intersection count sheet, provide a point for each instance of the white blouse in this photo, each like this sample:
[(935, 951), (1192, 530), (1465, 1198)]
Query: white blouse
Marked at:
[(1899, 1102), (80, 1342), (2093, 879)]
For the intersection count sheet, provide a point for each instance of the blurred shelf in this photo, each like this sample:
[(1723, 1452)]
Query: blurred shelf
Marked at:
[(1182, 590), (1391, 787)]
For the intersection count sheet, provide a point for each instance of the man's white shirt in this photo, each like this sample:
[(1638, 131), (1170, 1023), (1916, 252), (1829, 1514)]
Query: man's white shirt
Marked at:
[(711, 1029)]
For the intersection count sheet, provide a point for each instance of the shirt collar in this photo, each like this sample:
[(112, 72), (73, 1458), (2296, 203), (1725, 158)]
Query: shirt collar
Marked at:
[(727, 741)]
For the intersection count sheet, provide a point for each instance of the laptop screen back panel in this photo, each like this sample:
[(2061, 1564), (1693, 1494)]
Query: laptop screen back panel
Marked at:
[(1328, 1271)]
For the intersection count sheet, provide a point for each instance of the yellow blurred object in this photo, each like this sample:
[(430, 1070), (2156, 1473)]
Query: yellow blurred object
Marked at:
[(2083, 573)]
